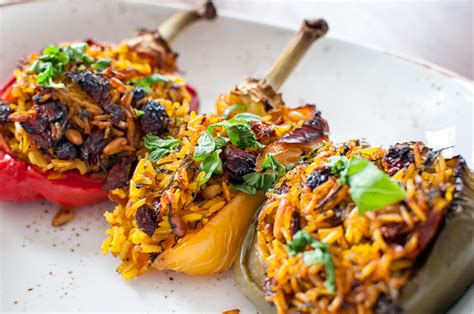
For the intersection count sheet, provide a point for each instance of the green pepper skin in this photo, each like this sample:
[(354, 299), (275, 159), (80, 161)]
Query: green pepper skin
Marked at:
[(443, 277)]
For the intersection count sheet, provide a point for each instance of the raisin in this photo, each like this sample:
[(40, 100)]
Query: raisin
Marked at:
[(146, 219), (65, 150), (295, 222), (398, 157), (47, 126), (155, 120), (95, 85), (318, 177), (237, 163), (92, 147), (138, 94), (117, 113), (119, 175), (5, 111)]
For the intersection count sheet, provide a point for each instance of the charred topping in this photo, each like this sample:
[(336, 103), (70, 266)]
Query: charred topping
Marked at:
[(92, 147), (318, 177), (264, 132), (47, 126), (5, 111), (155, 120), (65, 150), (313, 130), (398, 157), (237, 163), (117, 113), (146, 219), (119, 175), (138, 94), (95, 85)]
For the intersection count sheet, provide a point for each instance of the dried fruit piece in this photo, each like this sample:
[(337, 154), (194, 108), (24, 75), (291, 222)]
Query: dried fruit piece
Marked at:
[(146, 219)]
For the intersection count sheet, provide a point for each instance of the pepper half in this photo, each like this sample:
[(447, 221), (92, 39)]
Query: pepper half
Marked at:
[(431, 265), (27, 179)]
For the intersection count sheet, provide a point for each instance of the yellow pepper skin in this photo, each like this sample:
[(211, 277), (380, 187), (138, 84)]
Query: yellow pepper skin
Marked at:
[(214, 248)]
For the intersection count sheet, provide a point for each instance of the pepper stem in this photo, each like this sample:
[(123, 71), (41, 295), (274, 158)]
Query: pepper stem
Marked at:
[(178, 22), (310, 32)]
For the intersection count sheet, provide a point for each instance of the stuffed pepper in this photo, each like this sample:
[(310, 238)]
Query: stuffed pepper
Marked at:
[(360, 229), (73, 118), (190, 201)]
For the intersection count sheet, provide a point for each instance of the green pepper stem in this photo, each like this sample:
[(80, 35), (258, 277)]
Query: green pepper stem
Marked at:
[(310, 32), (178, 22)]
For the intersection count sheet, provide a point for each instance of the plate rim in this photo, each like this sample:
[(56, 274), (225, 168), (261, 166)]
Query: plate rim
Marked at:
[(418, 61)]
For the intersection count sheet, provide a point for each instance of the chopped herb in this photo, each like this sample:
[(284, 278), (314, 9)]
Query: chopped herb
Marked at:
[(319, 255), (229, 109), (101, 65), (160, 147), (313, 151), (147, 82), (370, 187), (52, 62), (255, 181), (212, 164), (239, 133), (139, 112)]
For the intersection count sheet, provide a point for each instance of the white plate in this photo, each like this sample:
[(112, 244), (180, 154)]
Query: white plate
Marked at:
[(363, 92)]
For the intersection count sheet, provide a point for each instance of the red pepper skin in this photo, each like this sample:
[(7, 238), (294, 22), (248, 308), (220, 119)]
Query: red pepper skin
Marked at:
[(21, 182), (194, 103)]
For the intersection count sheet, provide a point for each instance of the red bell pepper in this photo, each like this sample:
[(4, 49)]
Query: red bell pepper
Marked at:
[(21, 182)]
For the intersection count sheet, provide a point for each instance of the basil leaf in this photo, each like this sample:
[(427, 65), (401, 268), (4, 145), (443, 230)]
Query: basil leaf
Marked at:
[(212, 164), (139, 112), (158, 153), (220, 142), (229, 109), (299, 241), (160, 147), (246, 116), (102, 64), (151, 80), (270, 162), (320, 255), (252, 178), (244, 188), (53, 61), (339, 165), (206, 145), (241, 135), (153, 142), (370, 187)]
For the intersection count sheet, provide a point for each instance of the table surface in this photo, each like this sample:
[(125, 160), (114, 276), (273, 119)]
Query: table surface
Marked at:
[(440, 32)]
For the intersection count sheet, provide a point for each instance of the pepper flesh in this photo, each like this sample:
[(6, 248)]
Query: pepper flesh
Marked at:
[(202, 253), (21, 182)]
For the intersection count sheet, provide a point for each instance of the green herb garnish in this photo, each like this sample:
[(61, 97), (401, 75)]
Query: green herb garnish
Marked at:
[(101, 65), (319, 255), (53, 60), (138, 112), (239, 133), (255, 181), (229, 109), (160, 147), (370, 187), (147, 82)]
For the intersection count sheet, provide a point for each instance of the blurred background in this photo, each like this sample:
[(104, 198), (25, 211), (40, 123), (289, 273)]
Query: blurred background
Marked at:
[(439, 31)]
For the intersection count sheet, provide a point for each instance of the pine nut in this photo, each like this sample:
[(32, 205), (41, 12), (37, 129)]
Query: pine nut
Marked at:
[(74, 136), (115, 146)]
